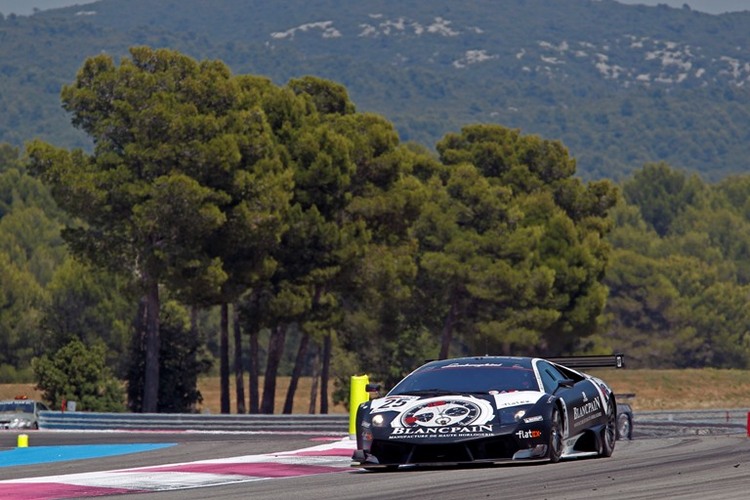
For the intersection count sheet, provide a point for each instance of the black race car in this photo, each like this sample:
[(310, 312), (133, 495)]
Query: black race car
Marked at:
[(488, 409)]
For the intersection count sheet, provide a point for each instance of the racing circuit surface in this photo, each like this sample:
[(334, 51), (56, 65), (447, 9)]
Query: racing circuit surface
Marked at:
[(264, 466)]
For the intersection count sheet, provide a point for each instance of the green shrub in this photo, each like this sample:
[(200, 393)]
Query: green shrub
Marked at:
[(79, 373)]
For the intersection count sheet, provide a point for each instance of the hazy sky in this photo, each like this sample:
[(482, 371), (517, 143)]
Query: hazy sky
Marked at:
[(710, 6), (26, 7)]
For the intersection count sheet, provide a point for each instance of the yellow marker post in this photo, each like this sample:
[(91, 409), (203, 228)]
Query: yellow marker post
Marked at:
[(357, 395), (23, 440)]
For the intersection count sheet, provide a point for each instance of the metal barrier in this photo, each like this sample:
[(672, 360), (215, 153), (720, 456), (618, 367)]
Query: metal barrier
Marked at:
[(735, 417), (303, 424), (738, 420)]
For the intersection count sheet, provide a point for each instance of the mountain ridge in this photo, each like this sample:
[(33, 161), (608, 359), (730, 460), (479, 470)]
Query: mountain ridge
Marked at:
[(616, 83)]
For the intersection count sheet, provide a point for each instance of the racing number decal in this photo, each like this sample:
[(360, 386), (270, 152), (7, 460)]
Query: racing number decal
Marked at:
[(393, 403)]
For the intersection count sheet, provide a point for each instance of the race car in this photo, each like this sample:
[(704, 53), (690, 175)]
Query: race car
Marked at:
[(488, 409)]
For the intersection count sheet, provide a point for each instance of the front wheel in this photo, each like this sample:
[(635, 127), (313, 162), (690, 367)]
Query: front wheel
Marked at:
[(555, 444), (609, 434)]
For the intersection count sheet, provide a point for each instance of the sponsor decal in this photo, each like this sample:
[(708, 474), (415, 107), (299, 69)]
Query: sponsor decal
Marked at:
[(529, 434), (391, 403), (604, 391), (507, 399), (443, 417), (472, 365), (530, 420), (587, 411), (443, 432), (446, 412)]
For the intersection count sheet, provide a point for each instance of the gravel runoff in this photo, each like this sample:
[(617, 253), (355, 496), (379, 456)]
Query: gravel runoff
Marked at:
[(660, 424)]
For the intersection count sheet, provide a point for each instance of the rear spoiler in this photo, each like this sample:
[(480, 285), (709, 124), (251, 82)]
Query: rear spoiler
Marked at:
[(604, 361)]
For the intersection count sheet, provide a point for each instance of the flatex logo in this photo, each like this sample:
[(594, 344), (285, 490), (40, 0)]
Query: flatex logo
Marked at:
[(528, 434)]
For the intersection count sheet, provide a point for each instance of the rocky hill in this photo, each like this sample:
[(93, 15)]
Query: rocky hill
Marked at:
[(620, 85)]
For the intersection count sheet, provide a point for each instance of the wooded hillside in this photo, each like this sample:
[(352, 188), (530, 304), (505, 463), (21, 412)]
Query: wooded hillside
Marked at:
[(620, 85)]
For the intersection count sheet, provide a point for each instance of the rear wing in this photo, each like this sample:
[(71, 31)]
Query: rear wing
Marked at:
[(583, 362)]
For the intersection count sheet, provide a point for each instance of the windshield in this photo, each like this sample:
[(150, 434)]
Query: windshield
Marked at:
[(468, 378), (17, 407)]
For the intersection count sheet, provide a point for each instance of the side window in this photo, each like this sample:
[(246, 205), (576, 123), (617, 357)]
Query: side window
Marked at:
[(550, 376), (569, 374)]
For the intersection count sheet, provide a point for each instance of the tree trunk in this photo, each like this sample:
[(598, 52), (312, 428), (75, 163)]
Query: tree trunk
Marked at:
[(447, 333), (314, 385), (224, 358), (137, 371), (238, 369), (151, 375), (324, 375), (299, 364), (254, 372), (275, 352), (195, 334)]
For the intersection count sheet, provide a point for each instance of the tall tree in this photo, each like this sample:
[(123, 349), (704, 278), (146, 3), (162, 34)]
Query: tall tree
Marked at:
[(522, 253), (166, 132), (680, 300), (309, 255), (90, 305), (21, 301), (662, 193)]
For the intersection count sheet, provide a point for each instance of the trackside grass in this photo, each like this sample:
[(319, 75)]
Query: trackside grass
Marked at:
[(693, 389), (706, 388)]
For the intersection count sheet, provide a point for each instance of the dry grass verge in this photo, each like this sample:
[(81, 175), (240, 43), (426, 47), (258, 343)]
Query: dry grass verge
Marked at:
[(693, 389), (210, 389), (655, 390)]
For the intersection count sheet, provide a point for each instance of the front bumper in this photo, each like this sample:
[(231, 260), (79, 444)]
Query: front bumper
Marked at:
[(16, 423), (491, 449)]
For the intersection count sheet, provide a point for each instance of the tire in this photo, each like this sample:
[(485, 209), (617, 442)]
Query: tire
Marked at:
[(624, 427), (555, 445), (381, 469), (609, 434)]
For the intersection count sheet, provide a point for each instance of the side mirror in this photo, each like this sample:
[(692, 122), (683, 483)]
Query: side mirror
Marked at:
[(566, 383), (372, 388)]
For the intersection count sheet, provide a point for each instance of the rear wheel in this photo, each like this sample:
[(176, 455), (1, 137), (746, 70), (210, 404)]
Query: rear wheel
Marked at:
[(555, 444), (609, 434), (624, 427)]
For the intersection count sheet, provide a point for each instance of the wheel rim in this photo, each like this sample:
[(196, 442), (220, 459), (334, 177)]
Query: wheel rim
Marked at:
[(556, 436), (625, 428), (556, 441), (610, 432)]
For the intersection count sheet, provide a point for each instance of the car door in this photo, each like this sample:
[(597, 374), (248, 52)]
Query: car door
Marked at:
[(555, 383), (581, 400), (586, 405)]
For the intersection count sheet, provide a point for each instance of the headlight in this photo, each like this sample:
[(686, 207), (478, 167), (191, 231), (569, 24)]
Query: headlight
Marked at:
[(379, 420), (20, 423), (513, 415)]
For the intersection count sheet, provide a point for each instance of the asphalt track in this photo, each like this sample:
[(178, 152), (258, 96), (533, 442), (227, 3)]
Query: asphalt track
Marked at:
[(686, 467)]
